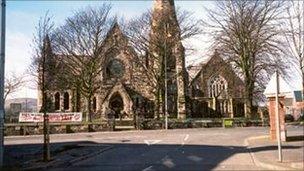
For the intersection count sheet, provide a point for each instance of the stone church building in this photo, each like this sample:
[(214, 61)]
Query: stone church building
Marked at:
[(215, 90), (210, 89)]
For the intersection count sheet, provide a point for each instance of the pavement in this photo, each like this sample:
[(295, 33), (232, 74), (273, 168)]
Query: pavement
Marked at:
[(181, 149), (265, 152), (29, 156)]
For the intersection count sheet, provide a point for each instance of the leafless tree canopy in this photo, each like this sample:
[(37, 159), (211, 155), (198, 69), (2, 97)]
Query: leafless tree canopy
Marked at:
[(43, 63), (246, 35), (79, 45), (13, 83), (293, 31), (139, 29), (45, 27), (147, 38)]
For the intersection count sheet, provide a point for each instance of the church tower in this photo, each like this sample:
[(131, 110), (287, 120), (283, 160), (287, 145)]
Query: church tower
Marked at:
[(167, 50)]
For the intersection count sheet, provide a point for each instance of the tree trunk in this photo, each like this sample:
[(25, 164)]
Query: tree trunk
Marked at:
[(89, 114), (157, 104), (46, 133), (89, 111), (248, 96)]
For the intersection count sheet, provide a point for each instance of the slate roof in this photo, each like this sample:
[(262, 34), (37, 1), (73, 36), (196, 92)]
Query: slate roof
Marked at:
[(284, 88)]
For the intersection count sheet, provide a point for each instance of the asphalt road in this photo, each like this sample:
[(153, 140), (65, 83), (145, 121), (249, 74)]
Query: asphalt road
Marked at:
[(188, 149)]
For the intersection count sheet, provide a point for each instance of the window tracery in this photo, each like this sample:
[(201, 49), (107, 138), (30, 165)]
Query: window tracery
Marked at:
[(115, 69), (217, 86)]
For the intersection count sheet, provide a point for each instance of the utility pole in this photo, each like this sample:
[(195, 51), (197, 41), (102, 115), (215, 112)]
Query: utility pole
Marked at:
[(166, 93), (278, 126), (2, 64), (166, 80), (302, 110)]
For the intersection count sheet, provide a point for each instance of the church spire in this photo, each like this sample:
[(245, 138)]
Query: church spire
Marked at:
[(163, 4), (164, 15), (47, 44)]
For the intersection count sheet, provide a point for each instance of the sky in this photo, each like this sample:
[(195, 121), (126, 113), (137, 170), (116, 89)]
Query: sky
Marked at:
[(22, 17)]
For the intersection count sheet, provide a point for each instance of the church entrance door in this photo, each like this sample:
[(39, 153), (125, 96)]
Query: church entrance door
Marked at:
[(117, 105)]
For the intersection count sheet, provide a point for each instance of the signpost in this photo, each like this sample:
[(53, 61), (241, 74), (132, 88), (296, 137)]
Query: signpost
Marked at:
[(276, 91), (278, 126)]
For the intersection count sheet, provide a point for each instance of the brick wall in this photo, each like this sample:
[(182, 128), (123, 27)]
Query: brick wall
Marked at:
[(272, 117)]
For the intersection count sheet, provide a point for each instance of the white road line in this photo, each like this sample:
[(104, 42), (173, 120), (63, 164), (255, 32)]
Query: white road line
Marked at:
[(186, 137), (152, 142), (148, 168)]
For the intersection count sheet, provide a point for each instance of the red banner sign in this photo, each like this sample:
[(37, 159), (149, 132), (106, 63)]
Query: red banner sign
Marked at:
[(53, 117)]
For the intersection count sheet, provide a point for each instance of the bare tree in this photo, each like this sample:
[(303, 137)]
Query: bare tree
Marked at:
[(246, 35), (293, 31), (13, 83), (43, 68), (79, 45), (139, 30)]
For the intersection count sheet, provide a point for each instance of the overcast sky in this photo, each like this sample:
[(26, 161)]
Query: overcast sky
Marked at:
[(23, 16)]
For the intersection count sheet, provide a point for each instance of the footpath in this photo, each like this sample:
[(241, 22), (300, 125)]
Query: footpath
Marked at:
[(29, 157), (265, 153)]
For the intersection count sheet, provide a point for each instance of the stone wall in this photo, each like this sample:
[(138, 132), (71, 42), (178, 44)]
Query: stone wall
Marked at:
[(55, 128)]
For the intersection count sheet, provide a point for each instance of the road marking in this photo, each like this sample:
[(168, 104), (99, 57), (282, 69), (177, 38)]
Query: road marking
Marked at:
[(168, 162), (151, 142), (186, 137), (148, 168)]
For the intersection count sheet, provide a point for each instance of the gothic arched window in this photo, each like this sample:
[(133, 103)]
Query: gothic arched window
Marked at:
[(57, 101), (217, 86), (115, 69), (66, 101)]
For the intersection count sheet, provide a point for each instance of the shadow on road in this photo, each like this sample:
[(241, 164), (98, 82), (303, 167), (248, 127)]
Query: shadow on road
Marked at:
[(295, 138), (25, 155), (127, 156)]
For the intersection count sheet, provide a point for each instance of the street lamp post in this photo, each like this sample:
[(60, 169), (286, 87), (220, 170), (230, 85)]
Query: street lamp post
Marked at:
[(2, 64)]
